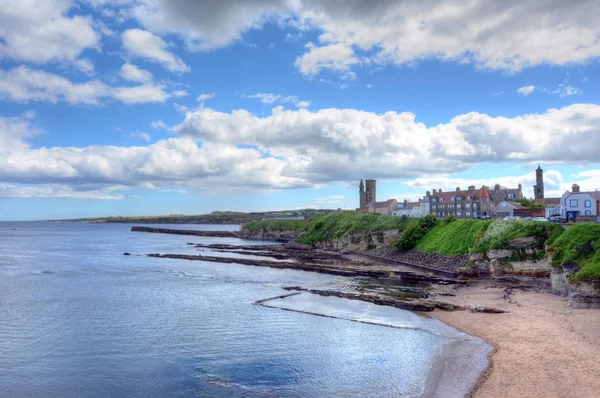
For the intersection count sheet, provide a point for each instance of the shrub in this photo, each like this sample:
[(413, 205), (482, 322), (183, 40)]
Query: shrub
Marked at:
[(415, 232)]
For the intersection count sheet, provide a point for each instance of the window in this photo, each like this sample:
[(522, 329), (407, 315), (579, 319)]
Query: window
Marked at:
[(511, 195), (458, 199), (468, 213), (588, 203), (573, 203), (588, 212), (452, 199)]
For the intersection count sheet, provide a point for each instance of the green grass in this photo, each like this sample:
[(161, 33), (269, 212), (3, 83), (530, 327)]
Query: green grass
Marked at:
[(579, 245), (499, 233), (277, 225), (337, 225), (453, 238)]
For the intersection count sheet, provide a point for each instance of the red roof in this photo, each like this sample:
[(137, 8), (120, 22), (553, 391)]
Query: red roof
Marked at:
[(483, 193), (548, 201)]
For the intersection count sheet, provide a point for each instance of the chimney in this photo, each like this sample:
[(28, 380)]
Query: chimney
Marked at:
[(427, 193), (471, 187), (575, 188), (434, 192), (440, 190), (457, 189), (497, 187), (405, 201)]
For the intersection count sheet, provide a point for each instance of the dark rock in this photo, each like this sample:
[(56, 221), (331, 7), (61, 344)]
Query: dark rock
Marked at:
[(126, 254)]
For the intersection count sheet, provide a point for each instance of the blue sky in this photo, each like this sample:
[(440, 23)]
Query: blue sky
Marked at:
[(140, 107)]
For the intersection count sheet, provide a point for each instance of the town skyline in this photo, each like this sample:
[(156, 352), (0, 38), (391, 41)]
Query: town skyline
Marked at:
[(140, 107)]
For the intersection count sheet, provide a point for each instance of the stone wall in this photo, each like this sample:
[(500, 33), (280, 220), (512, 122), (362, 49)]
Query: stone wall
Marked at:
[(431, 260), (268, 234)]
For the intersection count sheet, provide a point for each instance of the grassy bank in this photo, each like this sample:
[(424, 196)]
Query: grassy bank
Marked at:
[(453, 237), (276, 225), (333, 226), (579, 245)]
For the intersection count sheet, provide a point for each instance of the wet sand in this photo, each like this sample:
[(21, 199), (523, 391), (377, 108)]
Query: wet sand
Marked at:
[(543, 348)]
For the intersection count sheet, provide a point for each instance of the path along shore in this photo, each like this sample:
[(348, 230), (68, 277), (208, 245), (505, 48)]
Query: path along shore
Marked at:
[(543, 348)]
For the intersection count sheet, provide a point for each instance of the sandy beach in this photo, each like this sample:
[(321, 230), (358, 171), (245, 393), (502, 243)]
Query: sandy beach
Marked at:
[(543, 348)]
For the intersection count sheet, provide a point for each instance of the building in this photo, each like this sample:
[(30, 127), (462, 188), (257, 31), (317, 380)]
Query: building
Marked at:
[(552, 206), (368, 195), (510, 208), (538, 188), (575, 203), (384, 208), (500, 194), (463, 204), (412, 209)]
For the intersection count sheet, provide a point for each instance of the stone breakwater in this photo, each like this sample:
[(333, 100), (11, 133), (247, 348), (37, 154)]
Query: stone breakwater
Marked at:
[(429, 260)]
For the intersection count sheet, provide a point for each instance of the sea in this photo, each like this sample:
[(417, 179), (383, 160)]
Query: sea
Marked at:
[(78, 318)]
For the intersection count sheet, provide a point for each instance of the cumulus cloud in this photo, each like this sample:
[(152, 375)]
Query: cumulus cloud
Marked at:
[(149, 46), (206, 25), (43, 31), (299, 148), (159, 124), (84, 66), (492, 36), (25, 84), (52, 191), (526, 90), (135, 74)]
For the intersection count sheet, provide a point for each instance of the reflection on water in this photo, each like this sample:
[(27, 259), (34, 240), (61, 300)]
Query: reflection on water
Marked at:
[(79, 319)]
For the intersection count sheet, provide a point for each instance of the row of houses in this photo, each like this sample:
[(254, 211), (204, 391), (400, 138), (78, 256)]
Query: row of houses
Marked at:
[(483, 202)]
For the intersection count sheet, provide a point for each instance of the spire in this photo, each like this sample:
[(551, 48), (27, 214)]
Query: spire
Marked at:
[(361, 186), (539, 167)]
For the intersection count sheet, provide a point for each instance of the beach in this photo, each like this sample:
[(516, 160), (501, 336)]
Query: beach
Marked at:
[(543, 347)]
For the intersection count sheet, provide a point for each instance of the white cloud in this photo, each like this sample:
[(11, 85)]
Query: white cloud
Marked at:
[(498, 36), (563, 90), (26, 84), (159, 124), (84, 66), (205, 97), (270, 98), (526, 90), (144, 136), (179, 94), (336, 57), (151, 47), (135, 74), (43, 31), (52, 191), (298, 148), (148, 92), (23, 84), (206, 25), (340, 144)]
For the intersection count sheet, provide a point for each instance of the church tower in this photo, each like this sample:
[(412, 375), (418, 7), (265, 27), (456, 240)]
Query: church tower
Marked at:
[(538, 188), (362, 195)]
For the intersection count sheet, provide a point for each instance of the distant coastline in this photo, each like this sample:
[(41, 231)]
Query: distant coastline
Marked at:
[(216, 217)]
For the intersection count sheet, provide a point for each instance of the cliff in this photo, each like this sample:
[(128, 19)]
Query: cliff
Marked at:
[(336, 231)]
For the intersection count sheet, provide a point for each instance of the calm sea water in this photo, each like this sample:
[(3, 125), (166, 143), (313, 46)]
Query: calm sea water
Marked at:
[(79, 319)]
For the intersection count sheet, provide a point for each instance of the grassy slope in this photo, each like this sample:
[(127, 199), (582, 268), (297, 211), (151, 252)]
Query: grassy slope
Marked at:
[(277, 225), (477, 236), (456, 237), (579, 245), (337, 225)]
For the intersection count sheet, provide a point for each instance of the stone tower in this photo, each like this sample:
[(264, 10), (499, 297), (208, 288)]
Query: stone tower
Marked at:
[(362, 195), (538, 188), (371, 191), (367, 195)]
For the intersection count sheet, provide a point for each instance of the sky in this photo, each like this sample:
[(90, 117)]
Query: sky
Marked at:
[(148, 107)]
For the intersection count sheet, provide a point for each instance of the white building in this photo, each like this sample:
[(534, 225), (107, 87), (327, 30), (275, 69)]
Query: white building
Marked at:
[(412, 209), (575, 203)]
